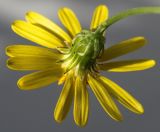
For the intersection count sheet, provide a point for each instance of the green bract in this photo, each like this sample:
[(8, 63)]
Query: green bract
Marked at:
[(86, 47)]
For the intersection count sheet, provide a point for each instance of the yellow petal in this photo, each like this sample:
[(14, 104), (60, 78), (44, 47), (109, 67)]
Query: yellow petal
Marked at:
[(28, 50), (81, 105), (69, 20), (123, 48), (31, 63), (104, 98), (127, 65), (100, 15), (36, 34), (65, 100), (122, 96), (43, 22), (62, 79), (39, 79)]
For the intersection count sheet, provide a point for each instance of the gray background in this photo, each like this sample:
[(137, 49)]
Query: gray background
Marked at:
[(31, 111)]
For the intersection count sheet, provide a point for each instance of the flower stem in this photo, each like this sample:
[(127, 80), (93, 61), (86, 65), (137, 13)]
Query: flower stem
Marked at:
[(125, 14)]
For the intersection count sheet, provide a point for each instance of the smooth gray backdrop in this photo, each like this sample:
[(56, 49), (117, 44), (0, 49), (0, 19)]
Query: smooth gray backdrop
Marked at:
[(31, 111)]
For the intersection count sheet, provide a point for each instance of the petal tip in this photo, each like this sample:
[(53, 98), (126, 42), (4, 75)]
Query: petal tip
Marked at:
[(7, 50), (20, 85), (153, 62), (57, 116), (80, 124), (29, 12), (140, 109), (15, 24), (142, 40), (62, 9), (117, 117), (9, 64), (103, 6)]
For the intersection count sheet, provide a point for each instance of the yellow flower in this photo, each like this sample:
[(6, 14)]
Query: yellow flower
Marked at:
[(76, 60)]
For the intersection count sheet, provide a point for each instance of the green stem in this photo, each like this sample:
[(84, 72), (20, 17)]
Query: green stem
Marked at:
[(127, 13)]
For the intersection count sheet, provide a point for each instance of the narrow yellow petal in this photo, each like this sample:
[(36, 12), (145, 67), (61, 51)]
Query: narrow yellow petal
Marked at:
[(122, 96), (69, 20), (100, 15), (123, 48), (127, 65), (31, 63), (36, 34), (45, 23), (62, 79), (81, 103), (65, 100), (104, 98), (39, 79), (28, 50)]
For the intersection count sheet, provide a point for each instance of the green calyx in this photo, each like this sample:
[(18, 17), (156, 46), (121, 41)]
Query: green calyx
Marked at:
[(86, 47)]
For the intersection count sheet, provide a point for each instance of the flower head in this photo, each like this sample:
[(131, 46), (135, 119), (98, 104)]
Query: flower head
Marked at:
[(75, 60)]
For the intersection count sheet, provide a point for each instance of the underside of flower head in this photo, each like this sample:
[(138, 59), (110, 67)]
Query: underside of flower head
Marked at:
[(86, 48), (75, 59)]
